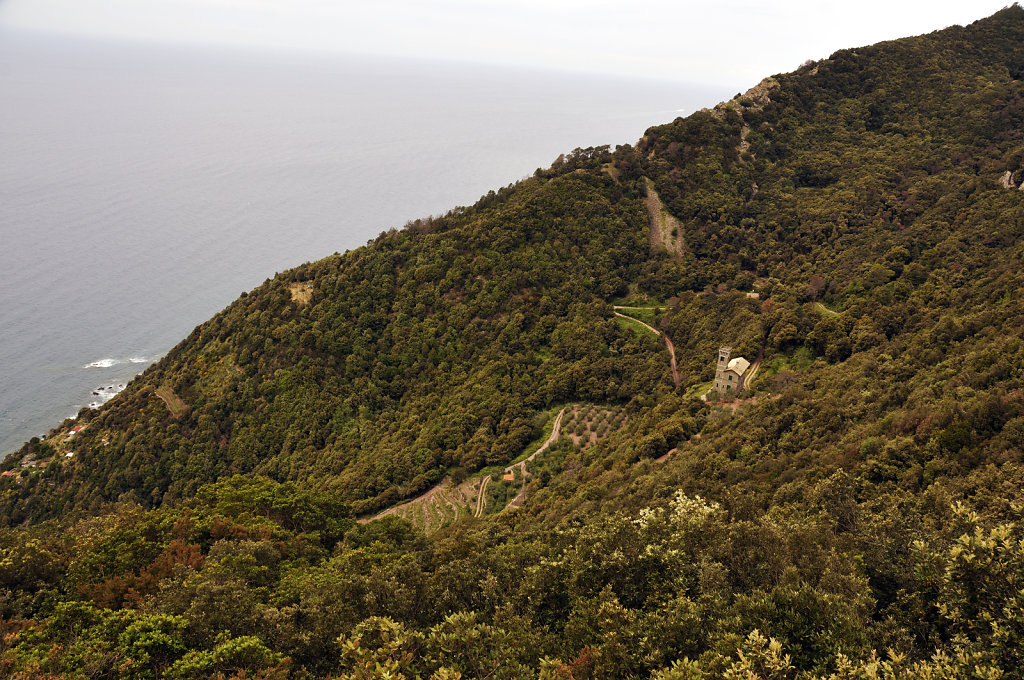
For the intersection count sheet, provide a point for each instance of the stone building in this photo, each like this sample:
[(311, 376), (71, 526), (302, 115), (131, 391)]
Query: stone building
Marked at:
[(729, 374)]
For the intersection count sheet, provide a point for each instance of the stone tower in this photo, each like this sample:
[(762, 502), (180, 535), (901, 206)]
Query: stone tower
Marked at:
[(723, 365)]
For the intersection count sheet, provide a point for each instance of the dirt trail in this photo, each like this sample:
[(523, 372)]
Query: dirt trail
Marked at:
[(749, 379), (666, 233), (672, 359), (668, 341), (665, 456), (466, 497), (479, 510), (556, 432)]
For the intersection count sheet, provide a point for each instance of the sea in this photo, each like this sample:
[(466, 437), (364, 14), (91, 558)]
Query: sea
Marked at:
[(144, 187)]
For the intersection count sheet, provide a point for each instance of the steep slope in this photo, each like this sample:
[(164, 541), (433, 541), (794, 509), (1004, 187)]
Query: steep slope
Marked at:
[(861, 505), (433, 348)]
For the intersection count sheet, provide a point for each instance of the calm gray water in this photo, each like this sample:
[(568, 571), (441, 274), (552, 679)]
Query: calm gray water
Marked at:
[(143, 189)]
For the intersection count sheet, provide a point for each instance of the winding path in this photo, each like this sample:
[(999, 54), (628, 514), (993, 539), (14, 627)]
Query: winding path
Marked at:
[(672, 359), (479, 511), (451, 495), (668, 341), (556, 432), (749, 379)]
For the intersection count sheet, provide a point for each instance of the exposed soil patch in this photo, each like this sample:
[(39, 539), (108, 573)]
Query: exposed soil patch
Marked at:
[(744, 146), (665, 231), (302, 292)]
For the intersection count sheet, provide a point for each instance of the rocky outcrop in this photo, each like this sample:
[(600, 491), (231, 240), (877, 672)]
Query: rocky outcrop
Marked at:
[(753, 99)]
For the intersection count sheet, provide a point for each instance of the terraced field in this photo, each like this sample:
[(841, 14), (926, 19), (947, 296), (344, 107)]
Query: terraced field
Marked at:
[(444, 503), (583, 424)]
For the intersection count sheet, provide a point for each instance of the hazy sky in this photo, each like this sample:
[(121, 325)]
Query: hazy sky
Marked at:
[(723, 41)]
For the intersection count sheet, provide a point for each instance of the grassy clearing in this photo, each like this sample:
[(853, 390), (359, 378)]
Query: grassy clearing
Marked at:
[(648, 315), (825, 310), (175, 405), (217, 376), (699, 389), (797, 362), (633, 325), (645, 309)]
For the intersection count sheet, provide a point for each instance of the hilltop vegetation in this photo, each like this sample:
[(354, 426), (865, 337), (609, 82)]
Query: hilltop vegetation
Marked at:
[(858, 514)]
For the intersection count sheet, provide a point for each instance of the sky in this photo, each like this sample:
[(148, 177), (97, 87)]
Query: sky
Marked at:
[(710, 42)]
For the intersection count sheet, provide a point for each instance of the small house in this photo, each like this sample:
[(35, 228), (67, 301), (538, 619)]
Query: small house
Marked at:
[(730, 374)]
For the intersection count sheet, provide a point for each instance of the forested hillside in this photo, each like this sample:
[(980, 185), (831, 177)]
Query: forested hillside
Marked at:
[(854, 228)]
